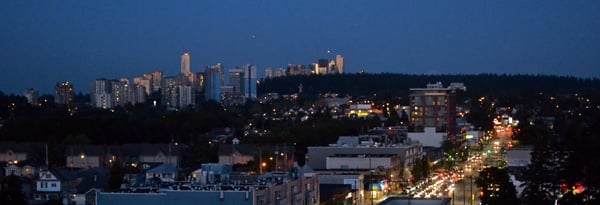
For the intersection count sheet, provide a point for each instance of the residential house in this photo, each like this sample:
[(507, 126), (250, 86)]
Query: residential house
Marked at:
[(85, 156), (22, 169), (164, 172), (151, 153), (15, 152), (78, 183), (47, 186), (237, 153)]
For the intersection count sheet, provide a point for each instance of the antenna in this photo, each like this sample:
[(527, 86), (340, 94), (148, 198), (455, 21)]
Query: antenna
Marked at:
[(47, 155)]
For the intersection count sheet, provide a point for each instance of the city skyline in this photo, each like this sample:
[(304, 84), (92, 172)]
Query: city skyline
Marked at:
[(45, 43)]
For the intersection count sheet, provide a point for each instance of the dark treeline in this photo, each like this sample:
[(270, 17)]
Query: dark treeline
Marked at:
[(515, 87), (130, 124)]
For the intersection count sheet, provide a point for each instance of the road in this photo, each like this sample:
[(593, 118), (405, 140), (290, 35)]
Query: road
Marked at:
[(466, 193)]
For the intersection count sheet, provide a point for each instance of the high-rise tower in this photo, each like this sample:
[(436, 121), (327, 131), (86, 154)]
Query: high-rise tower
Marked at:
[(339, 63), (236, 79), (185, 63), (213, 77), (63, 93), (250, 80)]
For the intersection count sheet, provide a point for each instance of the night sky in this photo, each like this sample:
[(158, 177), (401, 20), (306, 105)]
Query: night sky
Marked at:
[(44, 42)]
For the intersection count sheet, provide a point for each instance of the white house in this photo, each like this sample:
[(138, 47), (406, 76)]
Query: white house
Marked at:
[(47, 186)]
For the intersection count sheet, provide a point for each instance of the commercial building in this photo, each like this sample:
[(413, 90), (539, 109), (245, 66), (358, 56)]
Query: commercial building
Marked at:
[(366, 153), (300, 186), (342, 187), (434, 106)]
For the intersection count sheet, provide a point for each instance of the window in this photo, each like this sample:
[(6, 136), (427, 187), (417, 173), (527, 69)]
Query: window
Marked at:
[(429, 100), (53, 185)]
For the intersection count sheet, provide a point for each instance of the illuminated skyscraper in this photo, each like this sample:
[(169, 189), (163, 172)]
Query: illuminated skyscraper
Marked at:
[(268, 72), (250, 80), (321, 67), (157, 78), (331, 67), (186, 96), (236, 79), (101, 96), (213, 80), (339, 63), (185, 63), (64, 93)]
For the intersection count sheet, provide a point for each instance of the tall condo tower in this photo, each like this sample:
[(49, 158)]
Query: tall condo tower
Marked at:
[(213, 80), (185, 63), (250, 79), (339, 63), (64, 93)]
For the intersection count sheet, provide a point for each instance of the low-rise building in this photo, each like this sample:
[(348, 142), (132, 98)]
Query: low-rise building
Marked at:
[(362, 146), (298, 186), (519, 157), (429, 137), (345, 187)]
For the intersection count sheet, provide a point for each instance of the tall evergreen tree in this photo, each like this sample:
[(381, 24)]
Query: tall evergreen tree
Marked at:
[(496, 187), (545, 174)]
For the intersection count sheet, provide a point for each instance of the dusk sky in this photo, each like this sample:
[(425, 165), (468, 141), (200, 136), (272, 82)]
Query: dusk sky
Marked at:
[(45, 42)]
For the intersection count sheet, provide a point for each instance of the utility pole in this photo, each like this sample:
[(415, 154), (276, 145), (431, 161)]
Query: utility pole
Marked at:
[(471, 191), (371, 181), (453, 196), (465, 190), (260, 161)]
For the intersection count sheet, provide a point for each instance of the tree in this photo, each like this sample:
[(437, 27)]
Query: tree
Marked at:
[(530, 134), (496, 187), (545, 174), (116, 176), (10, 192)]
